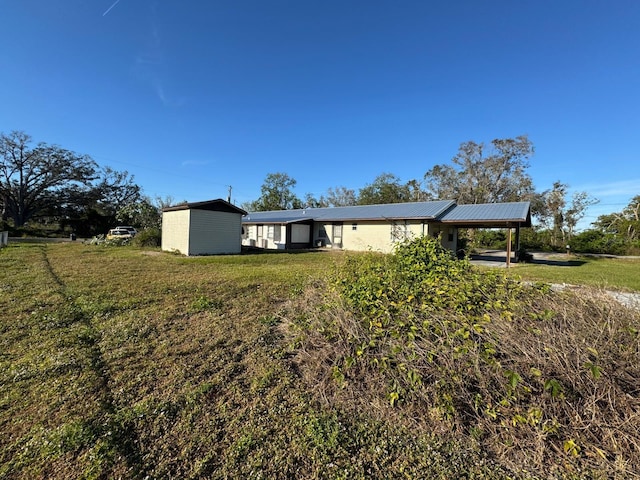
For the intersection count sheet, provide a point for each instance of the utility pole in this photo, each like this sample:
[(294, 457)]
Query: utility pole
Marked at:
[(229, 196)]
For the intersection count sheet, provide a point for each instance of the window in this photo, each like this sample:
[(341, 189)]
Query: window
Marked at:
[(354, 226), (273, 232), (399, 231)]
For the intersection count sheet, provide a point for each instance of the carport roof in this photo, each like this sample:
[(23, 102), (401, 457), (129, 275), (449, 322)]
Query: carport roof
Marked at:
[(489, 214)]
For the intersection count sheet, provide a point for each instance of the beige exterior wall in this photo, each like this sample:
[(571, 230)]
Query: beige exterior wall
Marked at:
[(368, 235), (175, 231), (449, 235), (377, 236), (374, 236), (249, 236), (214, 233), (201, 232)]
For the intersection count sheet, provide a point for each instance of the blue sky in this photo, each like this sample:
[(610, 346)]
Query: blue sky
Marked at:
[(192, 97)]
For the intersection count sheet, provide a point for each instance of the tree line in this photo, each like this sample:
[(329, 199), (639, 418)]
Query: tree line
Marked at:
[(477, 174), (480, 173), (49, 185), (69, 192)]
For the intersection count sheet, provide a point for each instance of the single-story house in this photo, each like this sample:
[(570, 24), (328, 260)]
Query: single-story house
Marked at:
[(202, 228), (378, 227)]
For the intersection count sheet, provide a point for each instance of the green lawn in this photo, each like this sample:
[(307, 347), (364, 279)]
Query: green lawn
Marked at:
[(124, 363), (608, 273), (130, 363)]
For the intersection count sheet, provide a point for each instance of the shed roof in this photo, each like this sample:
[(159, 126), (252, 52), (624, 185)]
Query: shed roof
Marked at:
[(217, 205)]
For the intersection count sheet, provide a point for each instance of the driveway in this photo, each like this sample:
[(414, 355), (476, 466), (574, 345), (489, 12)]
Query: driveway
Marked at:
[(498, 258)]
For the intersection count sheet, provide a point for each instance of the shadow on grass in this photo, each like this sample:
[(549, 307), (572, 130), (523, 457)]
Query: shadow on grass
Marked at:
[(558, 263), (495, 258), (267, 251)]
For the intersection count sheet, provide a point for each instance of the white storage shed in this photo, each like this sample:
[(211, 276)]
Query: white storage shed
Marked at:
[(213, 227)]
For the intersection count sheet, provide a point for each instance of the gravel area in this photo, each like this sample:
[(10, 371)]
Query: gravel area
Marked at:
[(630, 300)]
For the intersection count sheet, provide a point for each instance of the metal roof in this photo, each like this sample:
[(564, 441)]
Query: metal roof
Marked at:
[(390, 211), (277, 216), (489, 213), (446, 211), (218, 204)]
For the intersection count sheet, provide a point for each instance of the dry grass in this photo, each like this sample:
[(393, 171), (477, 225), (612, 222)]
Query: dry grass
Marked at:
[(574, 411), (119, 364)]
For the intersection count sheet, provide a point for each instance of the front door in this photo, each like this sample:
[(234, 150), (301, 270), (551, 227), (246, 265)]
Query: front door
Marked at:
[(336, 236), (259, 237)]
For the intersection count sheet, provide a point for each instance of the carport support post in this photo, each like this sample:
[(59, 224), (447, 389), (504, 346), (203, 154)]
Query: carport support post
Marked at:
[(508, 246)]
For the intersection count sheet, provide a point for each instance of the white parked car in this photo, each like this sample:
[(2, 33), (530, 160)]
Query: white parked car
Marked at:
[(118, 233), (131, 230)]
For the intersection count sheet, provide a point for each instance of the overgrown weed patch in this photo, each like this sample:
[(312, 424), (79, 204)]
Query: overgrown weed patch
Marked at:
[(532, 376)]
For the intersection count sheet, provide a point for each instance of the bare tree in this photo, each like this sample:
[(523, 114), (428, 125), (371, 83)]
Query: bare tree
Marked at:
[(561, 217), (341, 197), (580, 201)]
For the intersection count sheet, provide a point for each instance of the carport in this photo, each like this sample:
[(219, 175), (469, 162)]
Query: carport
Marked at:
[(512, 216)]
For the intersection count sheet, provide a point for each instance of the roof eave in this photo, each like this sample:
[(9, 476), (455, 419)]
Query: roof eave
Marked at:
[(503, 222), (202, 206)]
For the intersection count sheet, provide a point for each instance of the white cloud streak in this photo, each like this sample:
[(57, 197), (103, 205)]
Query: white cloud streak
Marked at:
[(620, 188), (111, 7)]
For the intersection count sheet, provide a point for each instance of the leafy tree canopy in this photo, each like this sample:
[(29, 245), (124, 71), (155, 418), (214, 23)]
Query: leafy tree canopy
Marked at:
[(481, 174), (386, 188), (145, 213), (276, 194), (47, 181), (142, 214), (33, 179), (116, 190), (625, 224)]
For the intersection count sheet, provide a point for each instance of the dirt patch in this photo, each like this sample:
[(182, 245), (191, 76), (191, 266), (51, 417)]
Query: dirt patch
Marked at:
[(152, 253)]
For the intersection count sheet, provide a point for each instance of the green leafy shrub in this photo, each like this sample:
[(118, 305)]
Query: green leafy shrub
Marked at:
[(149, 237), (117, 242), (477, 354), (595, 241), (490, 238), (425, 313)]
